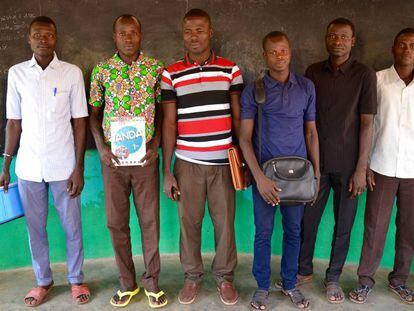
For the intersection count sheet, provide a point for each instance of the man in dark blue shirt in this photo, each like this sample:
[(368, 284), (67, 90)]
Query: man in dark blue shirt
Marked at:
[(288, 129)]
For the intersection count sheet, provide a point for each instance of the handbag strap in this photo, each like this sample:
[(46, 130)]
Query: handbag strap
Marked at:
[(260, 98)]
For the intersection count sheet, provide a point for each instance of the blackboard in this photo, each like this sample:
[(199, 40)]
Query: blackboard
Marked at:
[(85, 30)]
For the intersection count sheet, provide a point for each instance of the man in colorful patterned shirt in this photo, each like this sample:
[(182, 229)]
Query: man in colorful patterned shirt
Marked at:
[(200, 97), (125, 87)]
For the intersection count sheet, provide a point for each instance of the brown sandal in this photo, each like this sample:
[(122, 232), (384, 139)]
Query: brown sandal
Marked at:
[(360, 294), (404, 292), (79, 290), (38, 294)]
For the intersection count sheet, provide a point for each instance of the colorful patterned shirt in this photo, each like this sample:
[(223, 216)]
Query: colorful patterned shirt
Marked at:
[(127, 91)]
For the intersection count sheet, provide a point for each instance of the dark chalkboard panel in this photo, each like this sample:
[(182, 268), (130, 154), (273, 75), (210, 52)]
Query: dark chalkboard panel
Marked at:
[(85, 30)]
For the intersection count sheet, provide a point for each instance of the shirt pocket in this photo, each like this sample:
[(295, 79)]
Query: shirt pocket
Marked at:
[(60, 103)]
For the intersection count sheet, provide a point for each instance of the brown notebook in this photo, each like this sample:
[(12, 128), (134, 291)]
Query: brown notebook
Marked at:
[(237, 168)]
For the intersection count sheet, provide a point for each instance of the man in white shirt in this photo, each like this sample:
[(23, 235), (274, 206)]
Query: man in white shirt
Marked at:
[(46, 116), (391, 174)]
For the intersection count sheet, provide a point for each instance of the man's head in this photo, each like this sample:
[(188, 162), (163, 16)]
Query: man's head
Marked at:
[(276, 51), (197, 31), (127, 35), (403, 48), (42, 36), (340, 37)]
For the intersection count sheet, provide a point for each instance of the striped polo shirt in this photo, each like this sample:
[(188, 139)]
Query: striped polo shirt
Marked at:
[(202, 95)]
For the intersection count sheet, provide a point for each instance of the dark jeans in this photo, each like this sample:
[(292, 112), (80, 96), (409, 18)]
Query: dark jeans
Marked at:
[(264, 218), (377, 218), (345, 209)]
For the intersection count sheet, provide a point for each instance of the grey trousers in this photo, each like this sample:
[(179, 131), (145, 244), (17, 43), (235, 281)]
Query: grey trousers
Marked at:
[(34, 197)]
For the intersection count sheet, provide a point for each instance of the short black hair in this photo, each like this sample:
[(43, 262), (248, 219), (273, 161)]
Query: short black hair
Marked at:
[(197, 13), (272, 35), (404, 31), (42, 20), (342, 21), (129, 17)]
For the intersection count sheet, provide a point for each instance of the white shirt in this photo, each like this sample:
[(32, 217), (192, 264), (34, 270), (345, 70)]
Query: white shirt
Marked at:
[(392, 152), (45, 101)]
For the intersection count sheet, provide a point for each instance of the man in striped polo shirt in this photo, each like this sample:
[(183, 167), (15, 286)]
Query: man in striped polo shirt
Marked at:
[(200, 96)]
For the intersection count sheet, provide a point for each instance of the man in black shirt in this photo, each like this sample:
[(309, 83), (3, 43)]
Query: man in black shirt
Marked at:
[(345, 106)]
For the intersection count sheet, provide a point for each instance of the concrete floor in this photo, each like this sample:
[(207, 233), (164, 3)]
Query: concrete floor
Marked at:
[(101, 275)]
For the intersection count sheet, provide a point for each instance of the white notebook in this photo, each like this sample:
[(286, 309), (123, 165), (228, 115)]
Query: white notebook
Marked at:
[(128, 141)]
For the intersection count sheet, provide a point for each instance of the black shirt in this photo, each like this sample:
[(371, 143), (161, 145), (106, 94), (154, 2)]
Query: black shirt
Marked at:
[(342, 95)]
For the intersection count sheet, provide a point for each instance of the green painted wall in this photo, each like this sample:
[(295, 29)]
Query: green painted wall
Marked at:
[(15, 251)]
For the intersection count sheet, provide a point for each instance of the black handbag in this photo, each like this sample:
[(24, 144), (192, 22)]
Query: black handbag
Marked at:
[(294, 175)]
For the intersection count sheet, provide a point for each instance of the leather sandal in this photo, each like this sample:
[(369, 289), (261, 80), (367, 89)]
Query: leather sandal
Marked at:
[(38, 294)]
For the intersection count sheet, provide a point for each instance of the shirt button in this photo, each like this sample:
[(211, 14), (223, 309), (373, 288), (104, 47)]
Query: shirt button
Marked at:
[(201, 68)]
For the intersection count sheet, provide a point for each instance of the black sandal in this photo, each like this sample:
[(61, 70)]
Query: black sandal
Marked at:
[(297, 298), (260, 299), (333, 289), (360, 294)]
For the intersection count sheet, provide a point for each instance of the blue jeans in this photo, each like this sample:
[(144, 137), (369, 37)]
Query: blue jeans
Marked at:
[(34, 196), (264, 215)]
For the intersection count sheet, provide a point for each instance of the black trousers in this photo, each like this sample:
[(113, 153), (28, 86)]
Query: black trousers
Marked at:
[(345, 209)]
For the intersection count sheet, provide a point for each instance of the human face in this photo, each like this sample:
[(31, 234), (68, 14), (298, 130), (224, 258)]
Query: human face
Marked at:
[(127, 37), (42, 39), (403, 50), (277, 54), (339, 40), (197, 34)]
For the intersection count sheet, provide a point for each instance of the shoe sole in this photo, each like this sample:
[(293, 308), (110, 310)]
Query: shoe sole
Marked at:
[(187, 302), (357, 301), (403, 300), (335, 302), (254, 308)]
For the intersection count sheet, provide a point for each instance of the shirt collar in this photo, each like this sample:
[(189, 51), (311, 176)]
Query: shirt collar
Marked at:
[(53, 64), (343, 68), (209, 61), (393, 76), (270, 82), (119, 60)]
